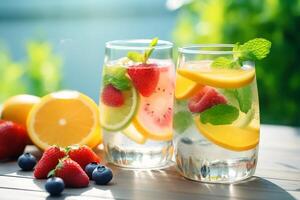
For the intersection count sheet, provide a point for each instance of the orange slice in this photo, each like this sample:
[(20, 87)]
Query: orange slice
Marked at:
[(228, 136), (64, 118), (151, 132), (221, 78), (132, 133), (185, 88)]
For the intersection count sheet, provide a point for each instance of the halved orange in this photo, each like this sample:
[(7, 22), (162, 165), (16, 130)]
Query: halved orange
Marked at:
[(229, 136), (185, 88), (221, 78), (64, 118)]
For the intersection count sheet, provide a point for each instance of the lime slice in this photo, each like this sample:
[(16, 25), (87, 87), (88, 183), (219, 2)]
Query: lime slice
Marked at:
[(132, 133), (116, 118)]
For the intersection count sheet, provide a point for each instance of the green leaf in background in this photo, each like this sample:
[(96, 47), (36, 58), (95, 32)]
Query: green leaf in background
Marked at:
[(182, 120), (255, 49), (117, 77), (219, 115), (244, 97), (135, 56)]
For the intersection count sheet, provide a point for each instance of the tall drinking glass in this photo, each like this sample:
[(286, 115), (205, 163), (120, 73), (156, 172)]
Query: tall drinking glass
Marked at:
[(216, 117), (136, 103)]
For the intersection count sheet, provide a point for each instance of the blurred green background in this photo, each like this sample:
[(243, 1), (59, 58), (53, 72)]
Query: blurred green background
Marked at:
[(49, 45)]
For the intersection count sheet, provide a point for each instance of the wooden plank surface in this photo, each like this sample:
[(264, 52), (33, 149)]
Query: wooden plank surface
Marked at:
[(277, 177)]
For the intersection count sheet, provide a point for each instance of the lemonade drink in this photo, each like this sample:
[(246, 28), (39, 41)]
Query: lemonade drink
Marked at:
[(216, 118), (136, 103)]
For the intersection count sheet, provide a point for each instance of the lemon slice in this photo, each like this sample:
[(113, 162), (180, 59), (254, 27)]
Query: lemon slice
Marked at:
[(185, 88), (64, 118), (132, 133), (229, 136), (221, 78)]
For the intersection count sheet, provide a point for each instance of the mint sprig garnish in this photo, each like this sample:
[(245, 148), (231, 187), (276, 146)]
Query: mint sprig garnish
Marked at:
[(117, 77), (244, 97), (220, 114), (253, 50), (143, 57)]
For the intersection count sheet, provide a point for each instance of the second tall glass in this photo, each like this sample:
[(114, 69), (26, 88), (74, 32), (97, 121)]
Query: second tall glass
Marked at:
[(136, 103)]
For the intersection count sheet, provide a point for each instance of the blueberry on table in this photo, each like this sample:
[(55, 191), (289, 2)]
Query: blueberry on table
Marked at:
[(102, 175), (54, 186), (90, 168), (27, 161)]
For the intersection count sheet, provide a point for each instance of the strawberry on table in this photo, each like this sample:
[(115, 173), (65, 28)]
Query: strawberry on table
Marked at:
[(83, 155), (144, 77), (206, 98), (48, 161), (12, 140), (71, 172)]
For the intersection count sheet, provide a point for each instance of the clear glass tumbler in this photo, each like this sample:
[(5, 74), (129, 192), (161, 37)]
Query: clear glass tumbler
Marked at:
[(216, 116), (136, 103)]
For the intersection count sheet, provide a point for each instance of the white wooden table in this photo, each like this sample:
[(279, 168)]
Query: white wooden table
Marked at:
[(277, 177)]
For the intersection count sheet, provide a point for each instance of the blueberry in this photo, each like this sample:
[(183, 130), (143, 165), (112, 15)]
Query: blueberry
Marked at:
[(186, 140), (54, 186), (26, 162), (102, 175), (90, 168)]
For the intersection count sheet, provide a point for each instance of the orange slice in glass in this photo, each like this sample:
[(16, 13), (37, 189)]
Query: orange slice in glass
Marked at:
[(229, 136), (185, 88)]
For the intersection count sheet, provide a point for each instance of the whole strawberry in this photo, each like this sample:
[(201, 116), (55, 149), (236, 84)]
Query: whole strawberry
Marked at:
[(83, 155), (48, 161), (71, 172), (12, 140)]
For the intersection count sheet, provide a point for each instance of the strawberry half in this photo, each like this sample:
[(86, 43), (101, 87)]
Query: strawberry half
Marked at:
[(83, 155), (111, 96), (12, 139), (144, 77), (206, 98), (72, 174), (48, 162)]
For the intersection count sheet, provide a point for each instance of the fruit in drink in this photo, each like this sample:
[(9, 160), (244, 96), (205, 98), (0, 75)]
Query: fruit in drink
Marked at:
[(204, 99), (154, 117), (144, 77)]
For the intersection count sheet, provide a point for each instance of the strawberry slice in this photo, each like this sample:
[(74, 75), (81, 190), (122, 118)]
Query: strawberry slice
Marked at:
[(111, 96), (206, 98), (144, 77)]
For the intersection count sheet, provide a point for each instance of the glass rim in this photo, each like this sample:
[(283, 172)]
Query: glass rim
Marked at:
[(200, 49), (132, 44)]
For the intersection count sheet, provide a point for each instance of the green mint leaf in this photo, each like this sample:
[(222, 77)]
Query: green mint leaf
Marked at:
[(255, 49), (225, 63), (135, 56), (182, 120), (244, 97), (219, 114), (117, 77), (149, 51)]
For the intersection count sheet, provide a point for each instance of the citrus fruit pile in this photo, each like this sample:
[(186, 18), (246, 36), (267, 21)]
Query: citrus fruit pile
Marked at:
[(61, 118)]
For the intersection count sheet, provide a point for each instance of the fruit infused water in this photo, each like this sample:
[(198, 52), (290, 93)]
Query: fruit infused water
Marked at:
[(136, 103), (216, 118)]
